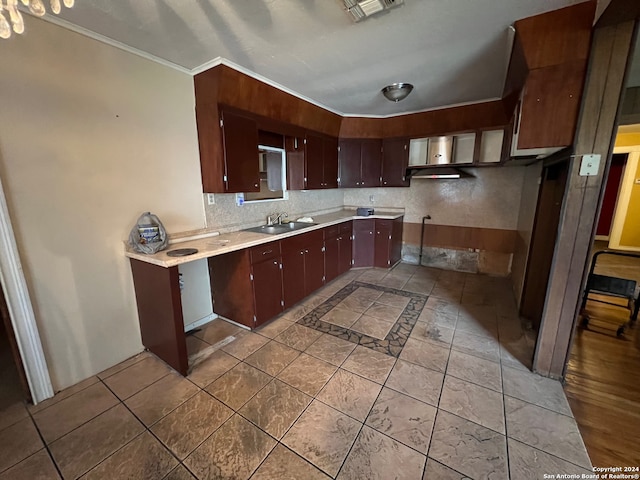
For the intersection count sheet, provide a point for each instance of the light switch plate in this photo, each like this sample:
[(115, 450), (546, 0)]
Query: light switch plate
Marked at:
[(590, 165), (211, 199)]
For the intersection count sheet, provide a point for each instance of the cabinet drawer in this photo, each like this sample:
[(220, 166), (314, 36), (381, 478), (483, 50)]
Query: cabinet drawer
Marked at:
[(331, 232), (385, 225), (346, 227), (302, 241), (264, 252)]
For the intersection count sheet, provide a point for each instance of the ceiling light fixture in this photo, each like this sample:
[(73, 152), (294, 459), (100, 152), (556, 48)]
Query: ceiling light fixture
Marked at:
[(361, 9), (15, 20), (397, 91)]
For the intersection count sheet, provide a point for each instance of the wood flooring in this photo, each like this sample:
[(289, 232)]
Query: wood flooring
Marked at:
[(602, 381)]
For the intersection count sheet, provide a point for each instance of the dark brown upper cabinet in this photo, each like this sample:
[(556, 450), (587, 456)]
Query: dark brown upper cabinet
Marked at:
[(321, 161), (395, 159), (360, 162)]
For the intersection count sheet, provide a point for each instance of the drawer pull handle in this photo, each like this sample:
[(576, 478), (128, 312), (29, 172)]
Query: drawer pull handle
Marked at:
[(267, 252)]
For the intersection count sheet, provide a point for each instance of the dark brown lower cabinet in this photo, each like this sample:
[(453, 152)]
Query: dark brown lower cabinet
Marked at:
[(345, 240), (363, 242), (267, 289), (302, 266), (331, 257)]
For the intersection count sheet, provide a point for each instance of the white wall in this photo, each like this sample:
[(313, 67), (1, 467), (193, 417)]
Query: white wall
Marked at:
[(90, 137)]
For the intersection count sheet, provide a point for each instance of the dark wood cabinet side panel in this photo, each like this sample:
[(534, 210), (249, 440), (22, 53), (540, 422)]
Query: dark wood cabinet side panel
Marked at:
[(370, 163), (331, 258), (294, 147), (345, 253), (160, 312), (349, 162), (240, 135), (313, 267), (267, 289), (231, 287), (211, 150)]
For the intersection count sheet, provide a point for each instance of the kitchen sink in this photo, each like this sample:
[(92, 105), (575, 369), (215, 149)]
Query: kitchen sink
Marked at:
[(280, 228)]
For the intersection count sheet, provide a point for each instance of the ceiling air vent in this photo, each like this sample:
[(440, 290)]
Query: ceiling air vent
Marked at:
[(361, 9)]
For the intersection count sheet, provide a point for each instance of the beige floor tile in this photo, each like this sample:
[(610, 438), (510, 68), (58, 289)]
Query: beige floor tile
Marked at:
[(394, 281), (473, 402), (238, 385), (369, 364), (122, 365), (134, 378), (283, 464), (360, 300), (427, 332), (143, 459), (180, 473), (419, 285), (483, 347), (545, 430), (17, 442), (195, 345), (341, 317), (155, 401), (13, 412), (443, 306), (350, 393), (374, 327), (384, 312), (275, 408), (213, 367), (323, 436), (393, 300), (468, 448), (446, 292), (70, 413), (476, 370), (298, 337), (426, 354), (235, 451), (478, 327), (36, 467), (372, 275), (517, 354), (274, 327), (105, 434), (272, 358), (403, 418), (528, 463), (435, 470), (66, 393), (375, 456), (217, 330), (191, 423), (438, 317), (331, 349), (308, 374), (245, 344), (532, 388), (416, 381)]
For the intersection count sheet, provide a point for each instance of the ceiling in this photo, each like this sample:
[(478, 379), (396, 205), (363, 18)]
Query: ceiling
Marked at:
[(453, 51)]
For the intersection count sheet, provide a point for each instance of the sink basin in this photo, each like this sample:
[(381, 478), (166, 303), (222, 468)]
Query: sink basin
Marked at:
[(278, 229)]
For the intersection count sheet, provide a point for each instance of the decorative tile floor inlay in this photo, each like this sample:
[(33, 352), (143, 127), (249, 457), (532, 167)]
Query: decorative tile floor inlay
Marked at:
[(394, 341)]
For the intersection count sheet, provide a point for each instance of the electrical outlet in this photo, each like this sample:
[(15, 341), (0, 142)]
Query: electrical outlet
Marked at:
[(211, 199), (372, 198), (589, 165), (239, 199)]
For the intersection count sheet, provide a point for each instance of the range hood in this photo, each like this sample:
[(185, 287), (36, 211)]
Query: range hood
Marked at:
[(444, 173)]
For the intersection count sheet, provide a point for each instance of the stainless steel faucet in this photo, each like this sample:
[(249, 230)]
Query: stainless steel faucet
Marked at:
[(276, 217)]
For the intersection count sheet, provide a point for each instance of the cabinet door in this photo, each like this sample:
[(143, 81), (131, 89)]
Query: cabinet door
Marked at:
[(294, 147), (370, 163), (382, 255), (240, 142), (363, 242), (231, 290), (346, 253), (331, 258), (267, 289), (330, 163), (313, 267), (292, 276), (314, 161), (396, 241), (349, 161), (395, 160)]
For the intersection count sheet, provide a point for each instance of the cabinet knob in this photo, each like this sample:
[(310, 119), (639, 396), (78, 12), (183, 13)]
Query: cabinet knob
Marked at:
[(384, 183), (306, 251), (301, 252), (255, 185), (275, 263)]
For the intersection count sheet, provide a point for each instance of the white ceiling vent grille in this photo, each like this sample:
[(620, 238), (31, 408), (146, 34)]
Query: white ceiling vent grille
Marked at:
[(361, 9)]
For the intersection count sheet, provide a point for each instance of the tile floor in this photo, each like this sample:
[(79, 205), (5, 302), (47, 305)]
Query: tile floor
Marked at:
[(454, 401)]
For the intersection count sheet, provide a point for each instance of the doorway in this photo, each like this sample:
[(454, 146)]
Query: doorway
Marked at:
[(543, 239), (12, 376)]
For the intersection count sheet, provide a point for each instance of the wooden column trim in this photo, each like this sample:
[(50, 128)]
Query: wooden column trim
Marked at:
[(595, 134)]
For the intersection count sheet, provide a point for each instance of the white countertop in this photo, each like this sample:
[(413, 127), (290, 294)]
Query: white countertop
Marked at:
[(230, 242)]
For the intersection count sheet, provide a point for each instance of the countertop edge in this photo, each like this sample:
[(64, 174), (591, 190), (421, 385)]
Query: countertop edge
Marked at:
[(162, 260)]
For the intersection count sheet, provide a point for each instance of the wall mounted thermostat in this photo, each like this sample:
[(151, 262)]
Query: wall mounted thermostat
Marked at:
[(590, 165)]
